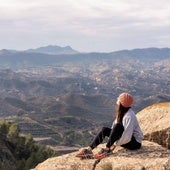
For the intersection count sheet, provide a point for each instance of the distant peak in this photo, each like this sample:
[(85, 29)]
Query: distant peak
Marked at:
[(7, 51), (53, 49), (68, 47)]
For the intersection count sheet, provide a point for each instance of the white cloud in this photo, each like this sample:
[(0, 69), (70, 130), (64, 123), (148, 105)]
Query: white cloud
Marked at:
[(77, 21)]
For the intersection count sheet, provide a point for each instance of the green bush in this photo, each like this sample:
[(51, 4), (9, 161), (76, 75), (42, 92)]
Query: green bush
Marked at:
[(72, 138), (26, 152)]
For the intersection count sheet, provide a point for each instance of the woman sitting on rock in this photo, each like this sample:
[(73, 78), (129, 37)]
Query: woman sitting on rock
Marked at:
[(125, 131)]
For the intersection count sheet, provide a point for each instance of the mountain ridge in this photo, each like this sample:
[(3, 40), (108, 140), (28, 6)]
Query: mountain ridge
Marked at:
[(53, 50), (25, 59), (39, 86)]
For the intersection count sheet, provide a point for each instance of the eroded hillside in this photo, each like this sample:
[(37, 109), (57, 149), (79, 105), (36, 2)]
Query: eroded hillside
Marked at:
[(54, 96)]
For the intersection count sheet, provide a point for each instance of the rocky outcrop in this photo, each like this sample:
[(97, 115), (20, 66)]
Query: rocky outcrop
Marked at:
[(155, 123), (150, 157)]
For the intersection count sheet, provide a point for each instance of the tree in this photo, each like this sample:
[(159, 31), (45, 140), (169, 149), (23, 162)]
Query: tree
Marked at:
[(21, 165), (4, 128), (31, 161), (13, 131), (28, 139)]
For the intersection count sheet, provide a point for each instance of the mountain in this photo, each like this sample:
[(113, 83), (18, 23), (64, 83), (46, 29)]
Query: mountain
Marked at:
[(154, 121), (53, 50), (45, 93), (68, 120), (158, 53), (38, 58)]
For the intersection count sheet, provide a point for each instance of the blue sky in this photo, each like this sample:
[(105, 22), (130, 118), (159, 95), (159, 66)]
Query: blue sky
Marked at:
[(85, 25)]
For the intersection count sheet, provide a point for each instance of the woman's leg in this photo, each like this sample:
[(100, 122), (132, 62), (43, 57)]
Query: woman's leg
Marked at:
[(100, 136), (115, 134), (132, 145)]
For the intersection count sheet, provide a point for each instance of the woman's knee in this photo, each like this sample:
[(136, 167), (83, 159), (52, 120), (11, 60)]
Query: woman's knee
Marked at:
[(118, 127), (106, 131)]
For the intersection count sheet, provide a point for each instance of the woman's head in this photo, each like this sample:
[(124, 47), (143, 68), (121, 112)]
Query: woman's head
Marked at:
[(124, 101)]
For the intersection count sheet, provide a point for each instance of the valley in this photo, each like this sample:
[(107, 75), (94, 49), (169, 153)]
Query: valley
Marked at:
[(62, 100)]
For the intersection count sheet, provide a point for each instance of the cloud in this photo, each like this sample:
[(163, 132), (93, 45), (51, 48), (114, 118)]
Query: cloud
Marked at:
[(79, 21)]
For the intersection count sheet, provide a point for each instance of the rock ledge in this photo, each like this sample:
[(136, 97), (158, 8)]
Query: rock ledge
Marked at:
[(150, 157)]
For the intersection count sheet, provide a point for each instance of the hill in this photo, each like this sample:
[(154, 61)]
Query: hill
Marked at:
[(63, 120), (45, 93), (153, 119), (48, 56), (53, 49), (60, 105)]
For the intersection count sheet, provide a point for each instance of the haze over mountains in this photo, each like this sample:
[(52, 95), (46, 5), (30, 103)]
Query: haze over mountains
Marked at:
[(50, 49), (53, 49), (61, 94)]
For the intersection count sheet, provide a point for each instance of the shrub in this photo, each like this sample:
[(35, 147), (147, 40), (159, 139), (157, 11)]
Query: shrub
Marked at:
[(26, 152)]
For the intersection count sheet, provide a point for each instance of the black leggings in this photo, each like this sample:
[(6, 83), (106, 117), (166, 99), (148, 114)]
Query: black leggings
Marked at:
[(114, 134)]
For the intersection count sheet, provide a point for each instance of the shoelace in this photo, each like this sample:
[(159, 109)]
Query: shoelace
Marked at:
[(103, 151)]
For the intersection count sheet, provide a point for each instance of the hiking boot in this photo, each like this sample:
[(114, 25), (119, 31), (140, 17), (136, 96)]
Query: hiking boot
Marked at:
[(102, 153), (85, 153)]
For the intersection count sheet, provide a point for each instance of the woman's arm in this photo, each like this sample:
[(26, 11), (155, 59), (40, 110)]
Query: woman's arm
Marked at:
[(128, 124)]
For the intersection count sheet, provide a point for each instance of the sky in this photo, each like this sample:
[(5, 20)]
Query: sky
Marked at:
[(85, 25)]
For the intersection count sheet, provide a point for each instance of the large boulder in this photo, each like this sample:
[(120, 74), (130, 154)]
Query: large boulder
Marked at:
[(155, 123)]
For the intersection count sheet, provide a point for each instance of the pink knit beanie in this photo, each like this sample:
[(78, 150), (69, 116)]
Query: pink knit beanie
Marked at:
[(125, 99)]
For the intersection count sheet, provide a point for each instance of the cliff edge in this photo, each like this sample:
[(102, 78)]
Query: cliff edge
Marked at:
[(150, 157), (154, 121)]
